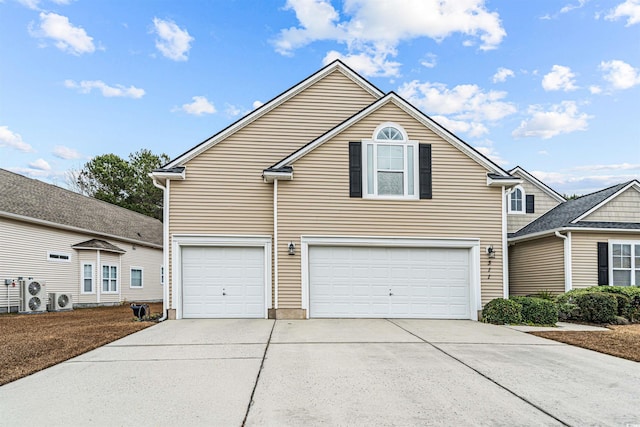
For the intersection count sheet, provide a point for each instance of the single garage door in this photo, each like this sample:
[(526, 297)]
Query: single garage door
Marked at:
[(389, 282), (222, 282)]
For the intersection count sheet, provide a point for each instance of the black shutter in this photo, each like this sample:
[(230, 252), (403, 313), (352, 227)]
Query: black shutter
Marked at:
[(530, 203), (355, 169), (424, 167), (603, 263)]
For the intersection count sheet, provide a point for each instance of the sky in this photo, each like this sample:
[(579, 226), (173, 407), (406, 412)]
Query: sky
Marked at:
[(551, 86)]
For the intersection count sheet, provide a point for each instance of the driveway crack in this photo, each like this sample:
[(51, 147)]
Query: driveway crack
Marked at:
[(255, 385), (524, 399)]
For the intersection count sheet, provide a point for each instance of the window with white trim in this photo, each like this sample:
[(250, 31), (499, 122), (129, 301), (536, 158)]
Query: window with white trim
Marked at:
[(58, 257), (390, 164), (516, 200), (109, 279), (136, 277), (625, 263), (87, 278)]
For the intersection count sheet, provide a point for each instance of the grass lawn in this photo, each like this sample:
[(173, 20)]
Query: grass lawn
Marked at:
[(32, 342), (620, 341)]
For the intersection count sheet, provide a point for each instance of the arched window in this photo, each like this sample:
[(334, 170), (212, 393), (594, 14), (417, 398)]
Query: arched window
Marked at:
[(516, 200), (391, 163)]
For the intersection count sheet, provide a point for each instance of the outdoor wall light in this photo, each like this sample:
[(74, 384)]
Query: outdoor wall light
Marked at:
[(491, 252), (292, 248)]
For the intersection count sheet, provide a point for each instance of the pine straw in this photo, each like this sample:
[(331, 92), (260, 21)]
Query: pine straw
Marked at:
[(32, 342), (620, 341)]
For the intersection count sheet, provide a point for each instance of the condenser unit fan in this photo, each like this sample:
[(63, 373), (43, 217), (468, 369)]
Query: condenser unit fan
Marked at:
[(34, 303), (34, 288), (63, 300)]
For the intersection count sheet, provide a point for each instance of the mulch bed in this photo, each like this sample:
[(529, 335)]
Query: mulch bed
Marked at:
[(620, 341), (32, 342)]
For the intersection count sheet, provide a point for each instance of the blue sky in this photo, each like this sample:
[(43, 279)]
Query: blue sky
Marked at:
[(552, 86)]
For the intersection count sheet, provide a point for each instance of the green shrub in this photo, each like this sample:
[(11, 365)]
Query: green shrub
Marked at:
[(568, 311), (629, 309), (502, 311), (544, 294), (597, 307), (537, 311)]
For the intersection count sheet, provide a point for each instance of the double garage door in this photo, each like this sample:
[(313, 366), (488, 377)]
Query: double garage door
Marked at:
[(344, 281), (389, 282)]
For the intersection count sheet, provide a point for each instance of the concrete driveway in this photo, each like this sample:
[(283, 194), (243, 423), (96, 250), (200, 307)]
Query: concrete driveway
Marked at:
[(329, 372)]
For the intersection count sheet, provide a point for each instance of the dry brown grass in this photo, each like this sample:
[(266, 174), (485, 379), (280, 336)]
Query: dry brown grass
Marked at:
[(32, 342), (620, 341)]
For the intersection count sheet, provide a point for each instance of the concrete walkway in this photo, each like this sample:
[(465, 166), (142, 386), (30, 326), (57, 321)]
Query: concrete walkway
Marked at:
[(329, 372)]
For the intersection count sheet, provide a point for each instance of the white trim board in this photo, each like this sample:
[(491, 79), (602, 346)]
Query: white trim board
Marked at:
[(473, 245), (180, 240)]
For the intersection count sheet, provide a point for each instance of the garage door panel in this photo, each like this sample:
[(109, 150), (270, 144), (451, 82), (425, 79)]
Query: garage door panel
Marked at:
[(222, 282), (425, 282)]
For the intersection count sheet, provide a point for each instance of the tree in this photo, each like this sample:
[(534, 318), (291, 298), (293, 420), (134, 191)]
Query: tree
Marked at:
[(123, 182)]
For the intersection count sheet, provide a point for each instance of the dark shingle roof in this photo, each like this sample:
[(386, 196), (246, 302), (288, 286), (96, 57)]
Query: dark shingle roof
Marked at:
[(98, 244), (564, 213), (35, 199)]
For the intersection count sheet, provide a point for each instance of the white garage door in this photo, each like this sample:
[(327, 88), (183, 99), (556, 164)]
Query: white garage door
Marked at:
[(223, 282), (389, 282)]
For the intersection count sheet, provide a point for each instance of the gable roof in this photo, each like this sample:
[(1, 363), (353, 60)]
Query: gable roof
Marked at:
[(97, 244), (413, 112), (30, 200), (536, 182), (270, 105), (568, 214)]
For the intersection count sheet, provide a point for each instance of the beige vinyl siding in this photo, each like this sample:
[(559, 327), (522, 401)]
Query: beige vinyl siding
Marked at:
[(543, 204), (624, 208), (584, 255), (317, 202), (150, 260), (224, 193), (27, 257), (536, 265)]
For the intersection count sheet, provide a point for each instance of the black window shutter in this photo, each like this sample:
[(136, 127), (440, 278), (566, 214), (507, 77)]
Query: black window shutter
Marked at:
[(603, 263), (530, 203), (424, 167), (355, 169)]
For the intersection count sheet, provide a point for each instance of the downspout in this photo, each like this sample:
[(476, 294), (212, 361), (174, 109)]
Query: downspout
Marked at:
[(165, 251), (505, 248), (98, 277), (567, 260), (275, 243)]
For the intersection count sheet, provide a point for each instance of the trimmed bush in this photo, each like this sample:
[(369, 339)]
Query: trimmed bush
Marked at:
[(537, 311), (628, 308), (502, 311), (568, 311), (597, 307)]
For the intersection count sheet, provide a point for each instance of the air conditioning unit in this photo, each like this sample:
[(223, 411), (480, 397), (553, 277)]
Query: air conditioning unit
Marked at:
[(59, 302), (34, 296)]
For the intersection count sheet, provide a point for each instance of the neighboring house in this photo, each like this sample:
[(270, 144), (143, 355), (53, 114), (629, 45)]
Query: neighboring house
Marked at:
[(529, 200), (334, 200), (97, 252), (591, 240)]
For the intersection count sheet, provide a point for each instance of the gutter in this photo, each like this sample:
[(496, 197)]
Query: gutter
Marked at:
[(165, 243)]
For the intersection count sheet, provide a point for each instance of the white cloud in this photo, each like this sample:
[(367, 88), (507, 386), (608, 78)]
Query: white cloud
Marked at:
[(67, 38), (173, 42), (66, 153), (370, 63), (560, 78), (232, 110), (561, 118), (198, 107), (40, 164), (86, 86), (620, 74), (466, 107), (257, 104), (429, 61), (570, 182), (35, 4), (372, 30), (13, 140), (595, 90), (543, 152), (502, 74), (618, 166), (570, 7), (629, 9), (488, 151)]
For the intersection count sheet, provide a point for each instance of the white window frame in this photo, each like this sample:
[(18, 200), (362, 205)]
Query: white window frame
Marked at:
[(56, 256), (368, 193), (92, 278), (111, 279), (635, 268), (131, 277), (522, 210)]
